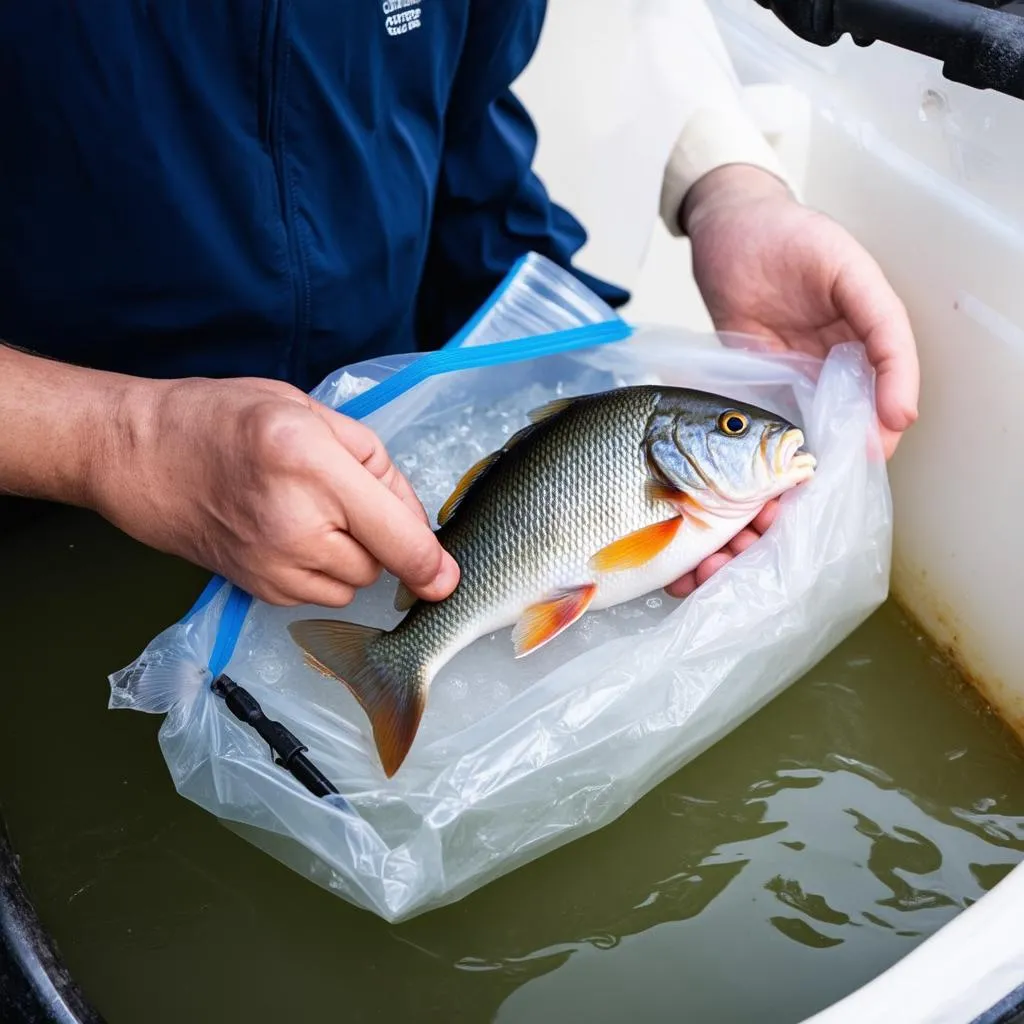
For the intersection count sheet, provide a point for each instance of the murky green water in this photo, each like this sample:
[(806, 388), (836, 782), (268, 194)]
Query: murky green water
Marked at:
[(816, 845)]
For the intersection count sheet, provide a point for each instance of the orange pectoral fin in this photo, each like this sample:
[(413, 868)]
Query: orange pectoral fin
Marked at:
[(636, 549), (543, 622)]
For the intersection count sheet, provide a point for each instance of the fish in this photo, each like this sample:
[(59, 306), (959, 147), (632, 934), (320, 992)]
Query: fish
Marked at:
[(598, 500)]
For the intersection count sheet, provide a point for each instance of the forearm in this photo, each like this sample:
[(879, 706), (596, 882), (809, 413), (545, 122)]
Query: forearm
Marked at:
[(715, 129), (60, 426)]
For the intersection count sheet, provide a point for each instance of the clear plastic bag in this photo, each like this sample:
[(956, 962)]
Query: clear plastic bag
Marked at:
[(514, 758)]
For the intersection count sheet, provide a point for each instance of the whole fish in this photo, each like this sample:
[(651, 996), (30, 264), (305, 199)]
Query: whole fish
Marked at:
[(599, 500)]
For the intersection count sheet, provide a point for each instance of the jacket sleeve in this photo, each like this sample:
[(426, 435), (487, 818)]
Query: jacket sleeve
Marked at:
[(490, 207)]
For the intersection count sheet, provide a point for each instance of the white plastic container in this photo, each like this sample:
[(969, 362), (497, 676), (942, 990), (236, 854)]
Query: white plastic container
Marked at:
[(927, 174)]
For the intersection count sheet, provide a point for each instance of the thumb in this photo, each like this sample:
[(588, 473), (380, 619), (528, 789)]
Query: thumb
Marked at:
[(401, 541)]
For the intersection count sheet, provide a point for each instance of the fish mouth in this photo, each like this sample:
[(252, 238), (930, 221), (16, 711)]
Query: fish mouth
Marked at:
[(792, 460)]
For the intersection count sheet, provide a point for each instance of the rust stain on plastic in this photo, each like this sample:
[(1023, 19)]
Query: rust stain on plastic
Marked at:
[(912, 591)]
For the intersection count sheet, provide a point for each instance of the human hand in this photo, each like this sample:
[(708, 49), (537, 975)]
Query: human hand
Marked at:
[(774, 269), (281, 495)]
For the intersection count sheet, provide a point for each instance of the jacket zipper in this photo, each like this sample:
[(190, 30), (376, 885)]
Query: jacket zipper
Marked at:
[(266, 73), (273, 77)]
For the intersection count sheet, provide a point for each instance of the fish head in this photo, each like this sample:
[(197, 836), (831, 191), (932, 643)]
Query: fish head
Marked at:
[(724, 453)]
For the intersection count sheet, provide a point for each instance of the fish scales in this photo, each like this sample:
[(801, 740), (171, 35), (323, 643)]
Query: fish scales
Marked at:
[(538, 515)]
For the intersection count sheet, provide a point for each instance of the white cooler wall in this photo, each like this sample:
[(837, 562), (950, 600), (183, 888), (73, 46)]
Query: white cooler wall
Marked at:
[(930, 177)]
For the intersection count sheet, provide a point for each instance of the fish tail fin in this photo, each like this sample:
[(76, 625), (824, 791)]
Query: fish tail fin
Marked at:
[(392, 701)]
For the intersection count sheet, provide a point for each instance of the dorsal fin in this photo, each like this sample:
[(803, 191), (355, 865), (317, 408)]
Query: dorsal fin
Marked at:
[(478, 469), (462, 487), (520, 435), (549, 409)]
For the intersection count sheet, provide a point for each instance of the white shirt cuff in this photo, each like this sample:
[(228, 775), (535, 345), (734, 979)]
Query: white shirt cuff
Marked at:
[(714, 136)]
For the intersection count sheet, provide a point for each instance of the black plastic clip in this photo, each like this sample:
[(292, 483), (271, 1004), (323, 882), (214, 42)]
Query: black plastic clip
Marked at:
[(290, 753), (980, 43)]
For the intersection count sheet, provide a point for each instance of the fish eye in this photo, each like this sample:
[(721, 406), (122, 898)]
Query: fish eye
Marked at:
[(733, 423)]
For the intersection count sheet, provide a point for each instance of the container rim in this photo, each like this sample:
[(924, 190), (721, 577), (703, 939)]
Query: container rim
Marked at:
[(35, 984)]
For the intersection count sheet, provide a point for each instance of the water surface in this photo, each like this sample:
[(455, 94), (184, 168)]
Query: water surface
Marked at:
[(809, 850)]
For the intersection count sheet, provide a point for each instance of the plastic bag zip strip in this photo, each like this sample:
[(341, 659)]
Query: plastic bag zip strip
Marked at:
[(496, 354), (495, 297)]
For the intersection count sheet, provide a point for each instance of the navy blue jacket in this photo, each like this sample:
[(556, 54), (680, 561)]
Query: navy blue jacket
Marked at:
[(270, 187)]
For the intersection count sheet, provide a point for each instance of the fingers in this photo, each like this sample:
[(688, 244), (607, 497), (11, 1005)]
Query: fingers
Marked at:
[(743, 540), (301, 586), (711, 565), (889, 439), (367, 448), (333, 583), (875, 314), (386, 520), (393, 533), (766, 516), (316, 588), (683, 587), (344, 559), (399, 486), (687, 584)]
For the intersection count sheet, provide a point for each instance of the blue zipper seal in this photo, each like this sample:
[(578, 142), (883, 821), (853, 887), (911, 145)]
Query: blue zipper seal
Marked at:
[(210, 591), (493, 299), (446, 360)]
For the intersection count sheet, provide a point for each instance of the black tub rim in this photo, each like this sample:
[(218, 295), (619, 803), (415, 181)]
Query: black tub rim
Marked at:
[(35, 984), (1009, 1009)]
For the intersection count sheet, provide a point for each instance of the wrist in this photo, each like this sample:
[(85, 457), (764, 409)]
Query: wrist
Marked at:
[(65, 431), (124, 423), (725, 186), (91, 442)]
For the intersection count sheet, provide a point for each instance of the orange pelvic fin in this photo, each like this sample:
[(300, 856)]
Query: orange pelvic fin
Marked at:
[(544, 621)]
